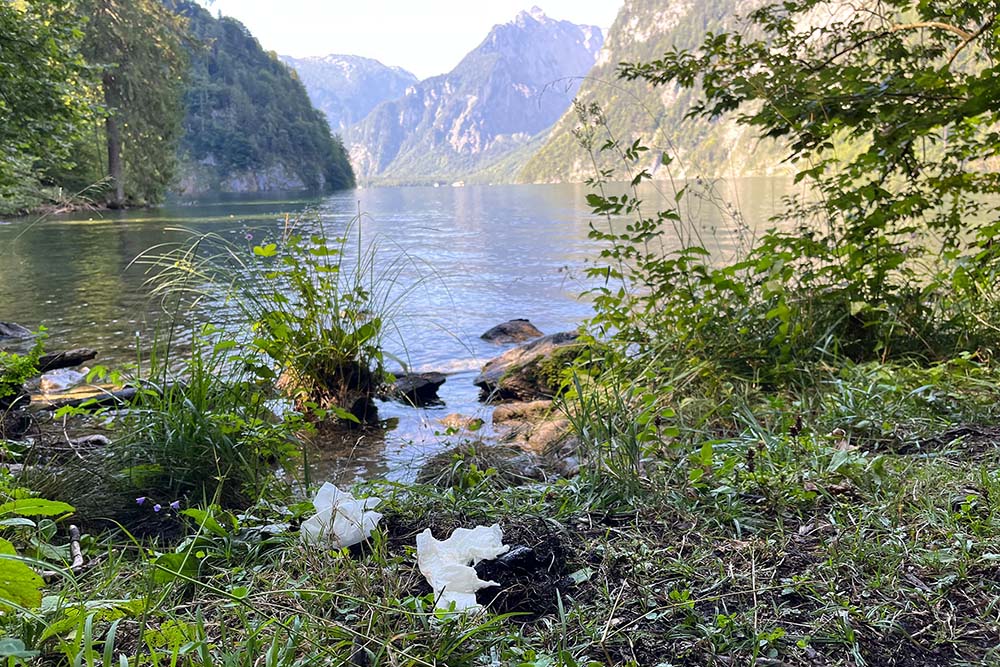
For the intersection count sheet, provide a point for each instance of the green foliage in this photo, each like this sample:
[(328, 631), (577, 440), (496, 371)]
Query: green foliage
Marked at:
[(202, 428), (246, 112), (44, 105), (325, 327), (137, 48), (892, 257), (318, 308), (16, 369), (893, 253), (20, 585)]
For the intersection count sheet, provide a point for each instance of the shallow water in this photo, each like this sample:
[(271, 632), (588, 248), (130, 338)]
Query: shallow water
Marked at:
[(471, 257)]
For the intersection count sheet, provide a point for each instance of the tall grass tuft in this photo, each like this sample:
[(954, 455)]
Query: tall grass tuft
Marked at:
[(312, 309)]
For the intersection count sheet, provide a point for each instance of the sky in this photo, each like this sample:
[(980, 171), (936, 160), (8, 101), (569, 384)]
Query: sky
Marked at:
[(426, 37)]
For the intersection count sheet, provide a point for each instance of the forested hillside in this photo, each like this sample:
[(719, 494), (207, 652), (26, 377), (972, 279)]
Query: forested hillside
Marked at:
[(249, 124), (114, 103)]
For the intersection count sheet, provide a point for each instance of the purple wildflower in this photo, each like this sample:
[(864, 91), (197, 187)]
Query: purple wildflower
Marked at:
[(249, 236), (140, 500), (156, 507), (176, 505)]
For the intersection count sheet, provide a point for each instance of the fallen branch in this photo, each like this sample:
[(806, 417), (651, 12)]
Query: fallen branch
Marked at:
[(76, 566), (119, 397), (67, 359), (109, 398)]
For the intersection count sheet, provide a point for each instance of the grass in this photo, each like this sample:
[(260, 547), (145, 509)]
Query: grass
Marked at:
[(855, 521)]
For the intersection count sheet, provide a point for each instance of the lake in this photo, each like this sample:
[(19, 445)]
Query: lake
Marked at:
[(472, 257)]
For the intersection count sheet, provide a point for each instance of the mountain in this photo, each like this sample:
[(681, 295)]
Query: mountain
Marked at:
[(459, 125), (643, 31), (249, 125), (347, 88)]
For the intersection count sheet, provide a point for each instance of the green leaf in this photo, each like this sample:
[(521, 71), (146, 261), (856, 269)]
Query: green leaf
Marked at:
[(269, 250), (14, 648), (206, 520), (170, 567), (341, 413), (19, 584), (35, 507)]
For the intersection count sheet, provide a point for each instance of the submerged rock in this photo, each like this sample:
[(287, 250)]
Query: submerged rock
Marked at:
[(460, 422), (13, 330), (512, 331), (531, 371), (61, 379)]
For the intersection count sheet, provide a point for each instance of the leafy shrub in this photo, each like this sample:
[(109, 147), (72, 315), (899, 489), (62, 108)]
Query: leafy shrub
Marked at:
[(16, 369)]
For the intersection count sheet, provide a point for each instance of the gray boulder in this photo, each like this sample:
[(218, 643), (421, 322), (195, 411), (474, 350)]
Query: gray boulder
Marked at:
[(512, 331)]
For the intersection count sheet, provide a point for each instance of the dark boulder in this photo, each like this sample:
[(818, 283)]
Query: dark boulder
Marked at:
[(513, 331), (418, 388), (529, 372), (12, 330)]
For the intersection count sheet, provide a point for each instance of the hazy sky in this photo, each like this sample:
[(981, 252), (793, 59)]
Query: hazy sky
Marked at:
[(427, 37)]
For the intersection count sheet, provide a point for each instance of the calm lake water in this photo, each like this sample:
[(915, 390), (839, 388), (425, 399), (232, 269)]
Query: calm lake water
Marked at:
[(472, 257)]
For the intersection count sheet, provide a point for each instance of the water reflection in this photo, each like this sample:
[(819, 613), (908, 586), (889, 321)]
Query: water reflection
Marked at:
[(471, 257)]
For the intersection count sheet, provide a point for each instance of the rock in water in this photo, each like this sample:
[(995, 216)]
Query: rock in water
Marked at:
[(418, 388), (12, 330), (512, 331), (61, 380), (531, 371)]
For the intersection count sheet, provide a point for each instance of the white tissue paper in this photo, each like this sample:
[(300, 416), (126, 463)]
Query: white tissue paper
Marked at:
[(341, 520), (448, 565)]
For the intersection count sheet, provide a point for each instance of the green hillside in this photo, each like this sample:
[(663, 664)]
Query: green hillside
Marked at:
[(249, 124), (643, 31)]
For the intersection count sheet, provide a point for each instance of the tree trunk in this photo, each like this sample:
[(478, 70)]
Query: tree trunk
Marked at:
[(115, 167)]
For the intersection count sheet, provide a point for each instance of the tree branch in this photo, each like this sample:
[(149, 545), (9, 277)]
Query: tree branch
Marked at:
[(964, 34), (968, 40)]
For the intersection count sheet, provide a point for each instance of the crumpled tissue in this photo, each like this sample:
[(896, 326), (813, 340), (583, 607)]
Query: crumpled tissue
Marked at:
[(448, 565), (341, 520)]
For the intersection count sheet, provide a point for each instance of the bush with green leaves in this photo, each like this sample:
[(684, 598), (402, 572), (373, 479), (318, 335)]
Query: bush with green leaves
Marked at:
[(16, 369), (890, 117)]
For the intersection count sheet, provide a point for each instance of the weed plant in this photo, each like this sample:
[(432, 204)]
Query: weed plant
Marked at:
[(316, 309)]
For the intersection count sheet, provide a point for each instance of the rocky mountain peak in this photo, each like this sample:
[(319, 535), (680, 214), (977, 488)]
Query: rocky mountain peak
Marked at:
[(535, 14), (347, 87), (506, 91)]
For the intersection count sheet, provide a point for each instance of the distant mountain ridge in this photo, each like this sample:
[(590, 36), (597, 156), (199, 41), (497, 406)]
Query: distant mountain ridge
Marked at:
[(501, 96), (346, 88), (643, 31)]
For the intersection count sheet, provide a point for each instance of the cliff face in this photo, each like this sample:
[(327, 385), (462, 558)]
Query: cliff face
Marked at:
[(509, 89), (346, 88), (643, 31)]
